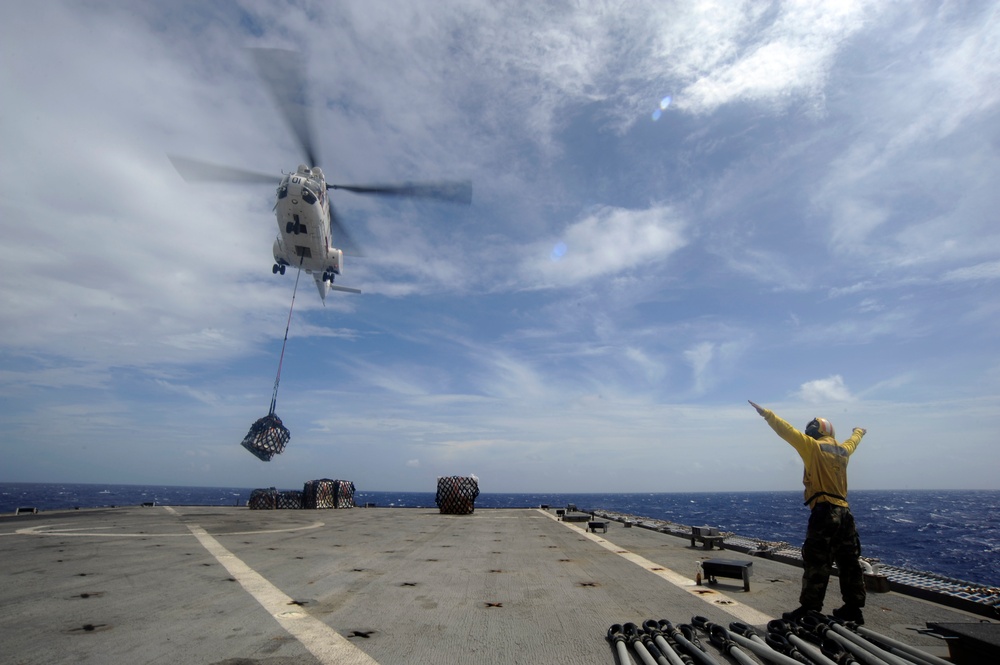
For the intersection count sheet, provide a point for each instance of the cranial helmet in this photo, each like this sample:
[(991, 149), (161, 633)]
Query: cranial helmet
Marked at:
[(819, 427)]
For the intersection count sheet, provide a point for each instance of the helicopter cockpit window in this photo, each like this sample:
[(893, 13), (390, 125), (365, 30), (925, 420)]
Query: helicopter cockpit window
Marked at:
[(308, 196), (283, 188)]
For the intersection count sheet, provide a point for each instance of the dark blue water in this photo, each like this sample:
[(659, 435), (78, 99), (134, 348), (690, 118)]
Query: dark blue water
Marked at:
[(953, 533)]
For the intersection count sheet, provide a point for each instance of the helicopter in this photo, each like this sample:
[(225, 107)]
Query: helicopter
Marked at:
[(311, 235)]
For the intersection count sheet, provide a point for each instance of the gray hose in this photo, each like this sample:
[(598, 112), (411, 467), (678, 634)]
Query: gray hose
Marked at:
[(762, 650), (870, 646), (811, 651), (652, 628), (632, 635), (617, 637), (862, 654), (911, 650), (693, 651)]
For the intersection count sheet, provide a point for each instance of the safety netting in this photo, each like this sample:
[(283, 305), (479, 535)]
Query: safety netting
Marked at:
[(290, 500), (263, 499), (267, 437), (327, 493), (456, 495)]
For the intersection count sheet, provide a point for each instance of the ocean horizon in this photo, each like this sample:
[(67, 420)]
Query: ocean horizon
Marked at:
[(952, 533)]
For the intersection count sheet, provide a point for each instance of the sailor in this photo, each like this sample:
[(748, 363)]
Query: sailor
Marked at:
[(831, 534)]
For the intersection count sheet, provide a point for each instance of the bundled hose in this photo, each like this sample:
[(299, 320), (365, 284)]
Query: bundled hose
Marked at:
[(617, 639), (747, 637), (634, 638), (652, 628), (901, 649), (784, 634), (686, 638), (861, 649), (720, 637)]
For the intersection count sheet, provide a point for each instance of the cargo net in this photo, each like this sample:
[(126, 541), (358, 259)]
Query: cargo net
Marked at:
[(263, 499), (456, 495), (326, 493), (267, 437), (272, 499), (290, 500)]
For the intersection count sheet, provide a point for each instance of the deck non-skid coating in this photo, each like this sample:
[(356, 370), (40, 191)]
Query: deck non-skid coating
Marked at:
[(383, 585)]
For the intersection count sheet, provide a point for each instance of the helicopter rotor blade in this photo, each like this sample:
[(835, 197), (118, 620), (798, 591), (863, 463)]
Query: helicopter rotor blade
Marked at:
[(284, 73), (341, 237), (193, 170), (459, 191)]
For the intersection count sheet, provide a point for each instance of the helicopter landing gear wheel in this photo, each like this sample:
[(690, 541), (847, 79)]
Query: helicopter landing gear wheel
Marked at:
[(281, 269), (274, 269)]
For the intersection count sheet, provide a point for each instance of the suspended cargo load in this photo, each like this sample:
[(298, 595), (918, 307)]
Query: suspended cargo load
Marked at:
[(456, 495), (267, 437), (326, 493), (263, 499)]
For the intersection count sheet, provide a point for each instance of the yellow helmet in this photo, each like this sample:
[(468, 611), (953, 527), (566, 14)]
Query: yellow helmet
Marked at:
[(819, 427)]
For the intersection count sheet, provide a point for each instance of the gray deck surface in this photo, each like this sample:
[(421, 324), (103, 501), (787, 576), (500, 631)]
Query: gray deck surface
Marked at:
[(367, 585)]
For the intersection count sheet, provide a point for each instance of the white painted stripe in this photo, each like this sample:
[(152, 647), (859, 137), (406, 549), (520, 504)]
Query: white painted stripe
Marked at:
[(742, 612), (54, 530), (322, 641)]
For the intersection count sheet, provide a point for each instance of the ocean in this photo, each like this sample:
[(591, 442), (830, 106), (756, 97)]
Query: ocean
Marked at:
[(954, 533)]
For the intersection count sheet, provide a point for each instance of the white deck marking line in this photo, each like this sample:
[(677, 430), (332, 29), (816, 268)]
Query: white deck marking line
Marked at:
[(322, 641), (53, 530), (744, 613)]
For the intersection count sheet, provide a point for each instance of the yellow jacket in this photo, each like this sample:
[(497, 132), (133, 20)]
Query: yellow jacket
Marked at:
[(825, 460)]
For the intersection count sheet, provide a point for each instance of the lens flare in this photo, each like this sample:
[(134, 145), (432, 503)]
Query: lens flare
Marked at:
[(558, 251), (664, 105)]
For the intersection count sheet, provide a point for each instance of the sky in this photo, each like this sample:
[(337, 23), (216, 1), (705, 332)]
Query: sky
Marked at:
[(677, 207)]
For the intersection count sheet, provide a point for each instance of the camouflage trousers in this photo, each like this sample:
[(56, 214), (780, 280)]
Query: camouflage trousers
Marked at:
[(831, 537)]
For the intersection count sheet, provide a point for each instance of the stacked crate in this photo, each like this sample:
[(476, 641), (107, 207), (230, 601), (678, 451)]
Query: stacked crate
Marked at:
[(263, 499), (326, 493), (290, 500)]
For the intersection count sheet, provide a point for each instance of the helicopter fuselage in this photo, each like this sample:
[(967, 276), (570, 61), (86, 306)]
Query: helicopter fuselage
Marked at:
[(302, 210)]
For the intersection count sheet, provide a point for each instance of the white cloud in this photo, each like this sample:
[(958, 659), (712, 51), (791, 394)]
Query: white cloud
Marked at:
[(816, 149), (821, 391), (606, 242), (981, 272), (789, 61)]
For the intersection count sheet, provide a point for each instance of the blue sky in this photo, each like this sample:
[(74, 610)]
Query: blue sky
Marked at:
[(809, 221)]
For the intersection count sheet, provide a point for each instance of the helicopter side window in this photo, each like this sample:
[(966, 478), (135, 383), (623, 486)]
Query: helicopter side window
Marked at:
[(283, 191), (308, 196)]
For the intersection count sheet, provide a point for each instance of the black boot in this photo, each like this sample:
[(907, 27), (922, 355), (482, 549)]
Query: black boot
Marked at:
[(796, 614), (849, 613)]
